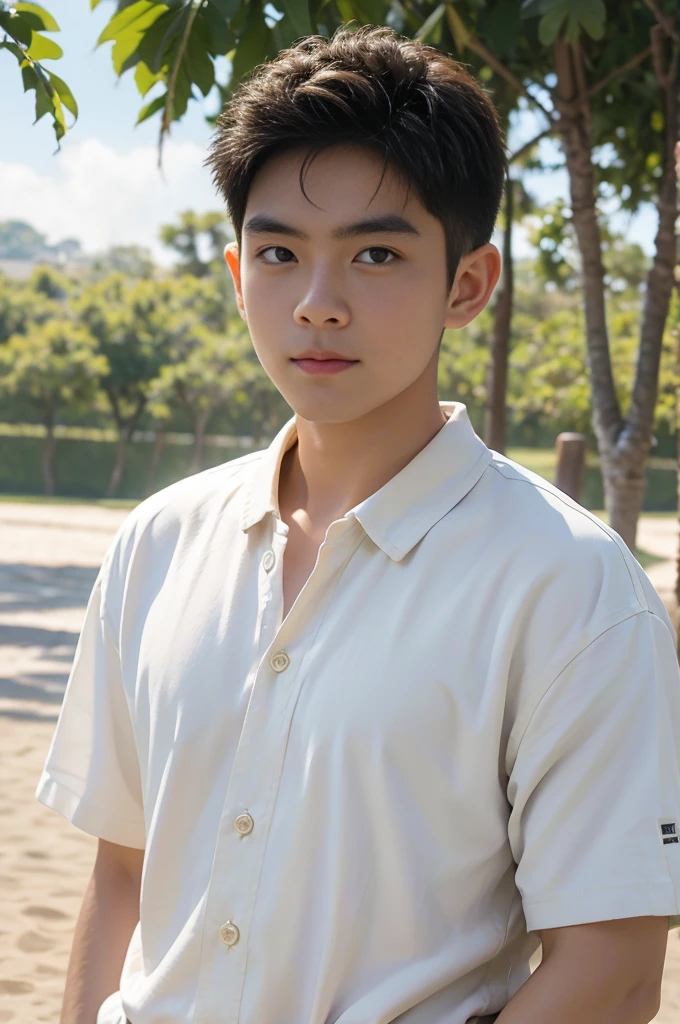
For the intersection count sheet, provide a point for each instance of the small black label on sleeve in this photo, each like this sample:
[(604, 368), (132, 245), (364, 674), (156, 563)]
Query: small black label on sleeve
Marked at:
[(669, 832)]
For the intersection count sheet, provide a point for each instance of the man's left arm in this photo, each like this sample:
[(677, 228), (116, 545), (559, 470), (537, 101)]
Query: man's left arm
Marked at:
[(607, 972)]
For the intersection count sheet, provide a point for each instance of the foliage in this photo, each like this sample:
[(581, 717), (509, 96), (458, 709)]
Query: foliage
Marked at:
[(23, 24), (54, 364)]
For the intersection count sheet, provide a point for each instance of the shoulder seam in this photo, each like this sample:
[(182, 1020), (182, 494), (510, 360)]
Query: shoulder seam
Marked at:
[(637, 588), (612, 625)]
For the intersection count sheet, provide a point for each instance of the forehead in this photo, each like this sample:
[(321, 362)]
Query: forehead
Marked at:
[(337, 180)]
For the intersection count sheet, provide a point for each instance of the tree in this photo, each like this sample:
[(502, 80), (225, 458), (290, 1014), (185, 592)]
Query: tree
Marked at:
[(127, 323), (55, 365), (196, 231), (22, 24)]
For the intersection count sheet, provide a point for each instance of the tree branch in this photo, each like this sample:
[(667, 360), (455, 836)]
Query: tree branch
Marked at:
[(665, 22), (528, 145), (628, 66), (172, 81), (480, 49)]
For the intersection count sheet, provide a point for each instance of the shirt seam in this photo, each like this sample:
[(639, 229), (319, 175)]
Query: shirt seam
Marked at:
[(544, 694), (637, 588), (562, 894), (103, 577)]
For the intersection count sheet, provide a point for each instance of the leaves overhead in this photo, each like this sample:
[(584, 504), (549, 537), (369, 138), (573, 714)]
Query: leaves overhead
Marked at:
[(23, 24)]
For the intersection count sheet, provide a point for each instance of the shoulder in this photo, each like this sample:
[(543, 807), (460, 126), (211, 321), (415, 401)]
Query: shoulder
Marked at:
[(575, 577), (185, 505)]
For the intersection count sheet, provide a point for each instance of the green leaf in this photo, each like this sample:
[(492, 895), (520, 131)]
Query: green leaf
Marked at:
[(199, 66), (213, 31), (151, 108), (125, 45), (16, 50), (297, 12), (550, 25), (431, 23), (141, 14), (458, 30), (227, 8), (43, 100), (156, 40), (64, 93), (144, 78), (255, 45), (17, 26), (533, 8), (47, 22), (29, 76), (592, 15), (42, 48)]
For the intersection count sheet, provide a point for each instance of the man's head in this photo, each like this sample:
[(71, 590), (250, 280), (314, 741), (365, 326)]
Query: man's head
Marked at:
[(364, 126)]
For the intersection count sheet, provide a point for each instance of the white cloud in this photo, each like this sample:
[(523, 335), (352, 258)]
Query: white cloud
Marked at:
[(104, 197)]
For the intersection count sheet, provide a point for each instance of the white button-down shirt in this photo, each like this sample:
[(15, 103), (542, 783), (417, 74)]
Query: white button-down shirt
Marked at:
[(466, 729)]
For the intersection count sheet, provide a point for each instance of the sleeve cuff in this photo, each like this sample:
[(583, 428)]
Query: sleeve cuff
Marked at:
[(95, 820), (641, 899)]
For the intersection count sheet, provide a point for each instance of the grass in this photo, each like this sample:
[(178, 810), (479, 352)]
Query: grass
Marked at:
[(43, 499)]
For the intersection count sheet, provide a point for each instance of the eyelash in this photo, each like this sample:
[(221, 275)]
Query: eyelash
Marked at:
[(379, 248)]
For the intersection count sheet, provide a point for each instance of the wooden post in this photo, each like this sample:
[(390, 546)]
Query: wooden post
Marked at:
[(571, 460)]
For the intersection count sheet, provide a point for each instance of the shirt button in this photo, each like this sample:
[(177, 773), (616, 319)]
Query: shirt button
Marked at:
[(268, 560), (229, 933), (280, 661), (244, 824)]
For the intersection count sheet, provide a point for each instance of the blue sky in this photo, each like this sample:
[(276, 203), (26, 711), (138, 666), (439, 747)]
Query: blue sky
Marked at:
[(104, 186)]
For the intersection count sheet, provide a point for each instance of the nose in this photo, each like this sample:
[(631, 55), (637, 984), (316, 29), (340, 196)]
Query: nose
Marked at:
[(322, 305)]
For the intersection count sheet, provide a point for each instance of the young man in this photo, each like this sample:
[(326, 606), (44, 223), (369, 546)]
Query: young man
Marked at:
[(363, 718)]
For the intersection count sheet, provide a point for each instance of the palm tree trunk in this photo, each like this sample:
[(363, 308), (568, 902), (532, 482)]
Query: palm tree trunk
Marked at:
[(497, 377), (118, 465), (623, 444), (48, 454), (155, 460), (200, 423)]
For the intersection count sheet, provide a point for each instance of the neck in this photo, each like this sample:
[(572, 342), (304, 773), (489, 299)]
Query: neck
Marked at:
[(334, 466)]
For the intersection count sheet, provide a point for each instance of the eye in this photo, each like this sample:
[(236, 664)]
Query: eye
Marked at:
[(380, 249), (274, 248)]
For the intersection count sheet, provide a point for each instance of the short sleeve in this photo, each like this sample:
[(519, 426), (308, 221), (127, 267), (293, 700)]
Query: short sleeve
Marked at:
[(595, 785), (91, 775)]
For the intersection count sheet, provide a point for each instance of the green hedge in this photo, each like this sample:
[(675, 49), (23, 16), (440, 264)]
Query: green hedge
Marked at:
[(83, 469)]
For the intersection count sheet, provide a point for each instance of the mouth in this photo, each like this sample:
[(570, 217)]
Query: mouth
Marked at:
[(324, 366)]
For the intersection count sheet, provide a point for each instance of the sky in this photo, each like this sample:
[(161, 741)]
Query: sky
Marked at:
[(104, 186)]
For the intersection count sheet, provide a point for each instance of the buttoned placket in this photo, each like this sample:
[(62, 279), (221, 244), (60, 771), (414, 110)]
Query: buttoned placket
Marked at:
[(254, 781)]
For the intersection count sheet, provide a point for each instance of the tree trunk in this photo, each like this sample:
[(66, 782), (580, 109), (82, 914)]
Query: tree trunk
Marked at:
[(497, 377), (118, 465), (154, 462), (126, 429), (48, 455), (200, 423), (623, 445)]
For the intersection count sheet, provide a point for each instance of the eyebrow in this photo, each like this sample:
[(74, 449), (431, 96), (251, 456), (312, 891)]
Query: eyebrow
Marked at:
[(391, 223)]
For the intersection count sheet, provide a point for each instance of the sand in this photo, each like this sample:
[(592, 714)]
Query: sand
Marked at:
[(49, 558)]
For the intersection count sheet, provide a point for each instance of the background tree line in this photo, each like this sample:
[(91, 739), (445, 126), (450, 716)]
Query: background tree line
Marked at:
[(602, 80), (127, 344)]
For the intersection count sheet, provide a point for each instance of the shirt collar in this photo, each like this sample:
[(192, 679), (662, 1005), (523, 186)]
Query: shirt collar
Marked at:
[(402, 511)]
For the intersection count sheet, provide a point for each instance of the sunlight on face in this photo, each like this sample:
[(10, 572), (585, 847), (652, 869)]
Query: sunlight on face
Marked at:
[(377, 296)]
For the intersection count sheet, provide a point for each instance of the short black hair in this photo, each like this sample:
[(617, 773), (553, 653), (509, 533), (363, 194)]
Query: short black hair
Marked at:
[(430, 119)]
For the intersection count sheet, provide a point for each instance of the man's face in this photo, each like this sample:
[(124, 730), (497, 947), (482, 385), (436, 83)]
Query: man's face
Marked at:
[(377, 296)]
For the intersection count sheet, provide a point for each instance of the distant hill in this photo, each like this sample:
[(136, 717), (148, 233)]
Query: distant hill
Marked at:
[(21, 241)]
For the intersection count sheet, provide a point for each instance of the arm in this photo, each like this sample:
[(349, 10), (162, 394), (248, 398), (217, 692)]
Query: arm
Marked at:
[(107, 919), (608, 972)]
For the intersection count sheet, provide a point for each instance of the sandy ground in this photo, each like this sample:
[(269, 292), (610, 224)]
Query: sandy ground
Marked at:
[(49, 558)]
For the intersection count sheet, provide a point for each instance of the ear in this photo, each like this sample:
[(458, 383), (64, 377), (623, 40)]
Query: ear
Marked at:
[(231, 255), (476, 278)]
